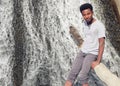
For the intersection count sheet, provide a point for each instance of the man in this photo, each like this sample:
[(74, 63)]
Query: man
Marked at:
[(92, 48)]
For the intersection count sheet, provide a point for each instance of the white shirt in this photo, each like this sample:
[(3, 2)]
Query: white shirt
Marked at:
[(91, 36)]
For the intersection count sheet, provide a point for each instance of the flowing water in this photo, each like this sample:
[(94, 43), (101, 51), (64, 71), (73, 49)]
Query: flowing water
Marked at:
[(36, 48)]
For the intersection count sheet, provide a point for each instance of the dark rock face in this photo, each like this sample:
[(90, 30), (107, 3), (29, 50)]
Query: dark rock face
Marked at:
[(115, 5), (19, 38), (36, 48)]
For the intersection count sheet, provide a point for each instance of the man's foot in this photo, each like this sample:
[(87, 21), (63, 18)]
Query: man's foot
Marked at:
[(85, 85), (68, 83)]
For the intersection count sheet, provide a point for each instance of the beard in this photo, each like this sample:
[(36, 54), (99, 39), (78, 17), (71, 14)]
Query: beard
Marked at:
[(89, 21)]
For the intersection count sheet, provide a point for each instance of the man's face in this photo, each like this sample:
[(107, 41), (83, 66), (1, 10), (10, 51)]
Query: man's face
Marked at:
[(87, 15)]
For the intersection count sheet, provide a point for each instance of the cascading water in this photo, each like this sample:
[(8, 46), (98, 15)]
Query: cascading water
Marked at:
[(48, 40), (6, 43), (36, 48)]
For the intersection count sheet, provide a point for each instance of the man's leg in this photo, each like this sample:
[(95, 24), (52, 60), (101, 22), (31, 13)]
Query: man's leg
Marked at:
[(77, 64), (83, 76)]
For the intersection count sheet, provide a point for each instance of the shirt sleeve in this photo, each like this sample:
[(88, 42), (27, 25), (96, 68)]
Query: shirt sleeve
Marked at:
[(101, 31)]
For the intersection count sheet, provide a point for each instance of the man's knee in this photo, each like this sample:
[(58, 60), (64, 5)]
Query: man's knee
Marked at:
[(83, 76)]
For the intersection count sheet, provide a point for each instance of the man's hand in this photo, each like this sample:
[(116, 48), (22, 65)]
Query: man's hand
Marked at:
[(94, 64)]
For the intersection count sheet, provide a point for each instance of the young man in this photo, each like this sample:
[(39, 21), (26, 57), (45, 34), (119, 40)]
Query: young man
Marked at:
[(92, 49)]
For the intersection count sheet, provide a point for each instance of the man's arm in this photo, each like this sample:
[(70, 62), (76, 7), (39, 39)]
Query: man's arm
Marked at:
[(100, 52)]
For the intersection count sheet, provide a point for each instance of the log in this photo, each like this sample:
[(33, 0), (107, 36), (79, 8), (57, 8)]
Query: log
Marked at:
[(106, 75)]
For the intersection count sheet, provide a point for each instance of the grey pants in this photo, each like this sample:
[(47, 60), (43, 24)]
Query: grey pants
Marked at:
[(81, 66)]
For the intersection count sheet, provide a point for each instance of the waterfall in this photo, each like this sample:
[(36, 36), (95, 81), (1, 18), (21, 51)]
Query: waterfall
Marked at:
[(36, 48), (47, 41), (6, 42)]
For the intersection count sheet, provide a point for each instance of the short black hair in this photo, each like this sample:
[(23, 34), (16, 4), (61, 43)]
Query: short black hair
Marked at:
[(86, 6)]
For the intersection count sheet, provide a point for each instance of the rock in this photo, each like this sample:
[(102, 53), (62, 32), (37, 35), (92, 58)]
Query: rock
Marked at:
[(76, 36)]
